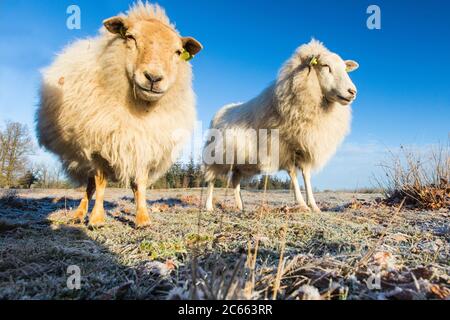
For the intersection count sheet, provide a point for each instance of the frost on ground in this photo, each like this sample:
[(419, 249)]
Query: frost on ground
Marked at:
[(357, 248)]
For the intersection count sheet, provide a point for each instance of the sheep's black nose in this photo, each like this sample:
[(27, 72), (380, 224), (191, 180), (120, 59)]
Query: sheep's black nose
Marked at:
[(352, 92), (153, 78)]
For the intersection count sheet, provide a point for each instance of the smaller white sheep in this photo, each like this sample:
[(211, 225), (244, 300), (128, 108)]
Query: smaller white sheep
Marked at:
[(309, 105)]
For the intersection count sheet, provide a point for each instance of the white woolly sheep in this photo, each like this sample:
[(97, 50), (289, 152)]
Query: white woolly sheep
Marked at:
[(309, 104), (110, 105)]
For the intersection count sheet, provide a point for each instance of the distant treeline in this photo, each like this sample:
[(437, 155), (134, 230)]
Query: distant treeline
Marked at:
[(190, 175)]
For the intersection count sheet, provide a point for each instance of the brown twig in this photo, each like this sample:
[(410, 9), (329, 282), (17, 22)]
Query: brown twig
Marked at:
[(276, 286)]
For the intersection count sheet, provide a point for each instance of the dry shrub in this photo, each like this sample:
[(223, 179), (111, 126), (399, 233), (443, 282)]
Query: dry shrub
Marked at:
[(225, 206), (160, 208), (286, 209), (420, 178), (190, 200)]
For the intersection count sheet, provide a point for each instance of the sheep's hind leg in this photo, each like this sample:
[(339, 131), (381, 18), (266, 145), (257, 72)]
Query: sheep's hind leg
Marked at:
[(98, 215), (297, 192), (236, 181), (309, 193), (83, 208), (209, 196), (140, 198)]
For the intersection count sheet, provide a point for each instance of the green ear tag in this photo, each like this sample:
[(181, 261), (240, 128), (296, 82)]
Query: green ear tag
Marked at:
[(186, 56)]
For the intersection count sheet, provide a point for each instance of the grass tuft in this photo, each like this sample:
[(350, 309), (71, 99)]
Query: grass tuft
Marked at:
[(161, 250), (422, 179)]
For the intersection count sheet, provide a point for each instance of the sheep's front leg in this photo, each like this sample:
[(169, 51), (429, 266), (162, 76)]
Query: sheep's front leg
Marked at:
[(98, 213), (140, 198), (209, 196), (297, 192), (309, 193), (236, 181), (83, 208)]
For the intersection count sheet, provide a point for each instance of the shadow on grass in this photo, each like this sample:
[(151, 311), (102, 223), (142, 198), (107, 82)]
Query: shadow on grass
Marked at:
[(171, 202), (37, 249)]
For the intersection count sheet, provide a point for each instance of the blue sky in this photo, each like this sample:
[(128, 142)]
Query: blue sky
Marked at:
[(404, 96)]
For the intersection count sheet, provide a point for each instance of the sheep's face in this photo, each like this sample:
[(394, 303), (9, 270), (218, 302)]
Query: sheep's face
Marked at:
[(154, 53), (334, 80)]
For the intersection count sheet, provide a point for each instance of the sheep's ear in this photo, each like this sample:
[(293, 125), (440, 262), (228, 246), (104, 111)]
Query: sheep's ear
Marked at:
[(116, 25), (191, 45), (351, 65)]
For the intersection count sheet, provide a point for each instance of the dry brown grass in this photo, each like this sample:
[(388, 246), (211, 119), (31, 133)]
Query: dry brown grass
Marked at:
[(422, 179)]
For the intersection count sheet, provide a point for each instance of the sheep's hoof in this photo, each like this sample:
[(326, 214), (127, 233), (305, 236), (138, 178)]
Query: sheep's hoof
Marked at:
[(95, 224), (304, 208), (97, 218), (78, 216), (143, 223), (142, 219), (209, 209), (316, 209)]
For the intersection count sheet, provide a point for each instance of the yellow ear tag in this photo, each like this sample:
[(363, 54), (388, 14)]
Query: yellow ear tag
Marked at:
[(186, 56), (314, 62), (348, 69)]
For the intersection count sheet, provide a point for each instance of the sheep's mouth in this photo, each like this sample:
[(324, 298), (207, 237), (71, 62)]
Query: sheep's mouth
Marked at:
[(149, 90), (344, 99)]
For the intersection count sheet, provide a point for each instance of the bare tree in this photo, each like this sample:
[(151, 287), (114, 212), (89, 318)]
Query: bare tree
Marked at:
[(16, 145), (50, 175)]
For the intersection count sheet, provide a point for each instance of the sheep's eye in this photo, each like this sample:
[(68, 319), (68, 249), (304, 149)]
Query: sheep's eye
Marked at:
[(326, 66), (178, 52), (130, 37)]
